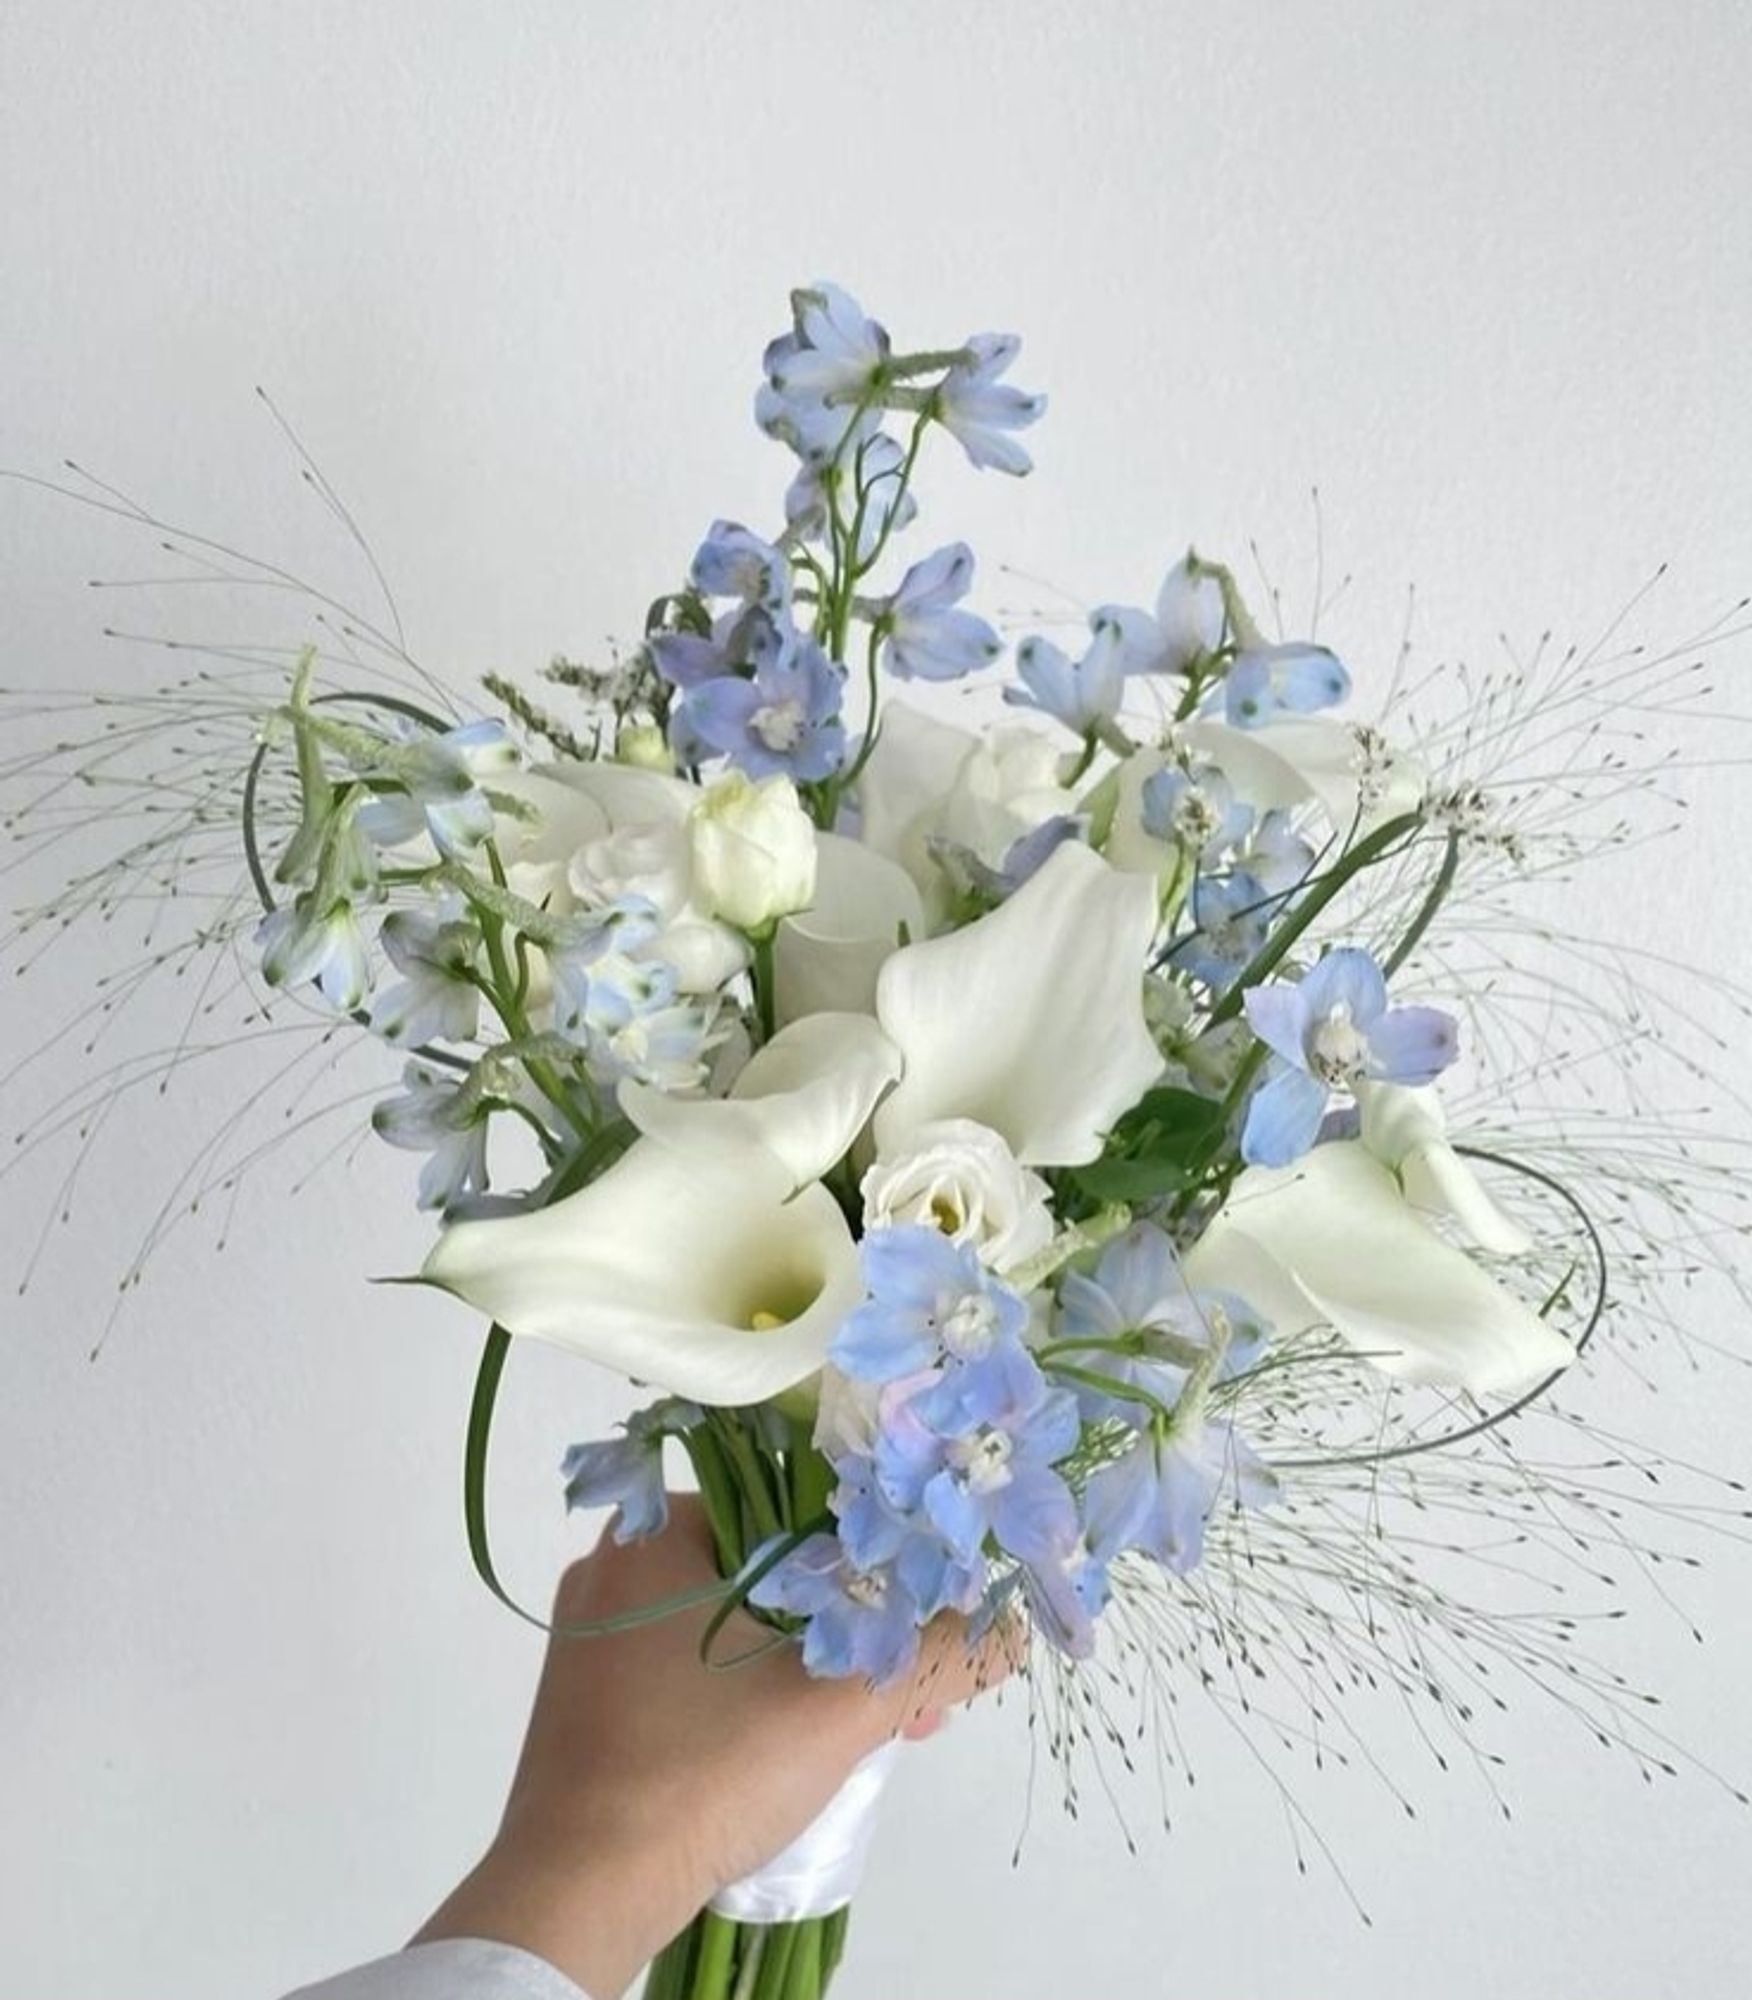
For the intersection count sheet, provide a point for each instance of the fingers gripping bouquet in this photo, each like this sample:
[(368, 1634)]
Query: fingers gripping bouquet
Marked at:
[(959, 1132)]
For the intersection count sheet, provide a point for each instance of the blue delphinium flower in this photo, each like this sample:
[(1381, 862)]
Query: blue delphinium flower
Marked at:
[(441, 1114), (1264, 682), (833, 356), (873, 470), (1186, 626), (1025, 856), (627, 1472), (925, 637), (443, 796), (437, 999), (316, 940), (1230, 917), (1330, 1031), (741, 641), (1084, 694), (1159, 1495), (875, 1532), (1137, 1297), (1195, 806), (929, 1300), (1275, 855), (1066, 1591), (979, 411), (974, 1453), (734, 562), (784, 720), (859, 1621)]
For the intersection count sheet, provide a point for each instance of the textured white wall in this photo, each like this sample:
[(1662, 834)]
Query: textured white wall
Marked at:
[(1481, 272)]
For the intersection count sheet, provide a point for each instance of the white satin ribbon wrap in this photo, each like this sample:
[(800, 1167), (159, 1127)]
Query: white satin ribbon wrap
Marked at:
[(821, 1869)]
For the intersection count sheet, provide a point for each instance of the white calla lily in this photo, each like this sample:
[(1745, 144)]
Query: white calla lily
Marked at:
[(1332, 1241), (803, 1098), (1029, 1020), (827, 957), (1406, 1130), (710, 1280), (901, 791)]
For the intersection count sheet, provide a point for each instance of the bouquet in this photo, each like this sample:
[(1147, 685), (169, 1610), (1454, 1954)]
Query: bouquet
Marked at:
[(1010, 1160)]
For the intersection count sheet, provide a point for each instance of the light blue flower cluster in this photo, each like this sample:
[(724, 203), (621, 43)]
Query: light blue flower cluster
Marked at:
[(754, 683), (985, 1475)]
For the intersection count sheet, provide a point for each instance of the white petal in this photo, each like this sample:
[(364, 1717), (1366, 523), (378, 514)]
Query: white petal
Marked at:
[(827, 957), (566, 820), (627, 795), (1312, 757), (1406, 1130), (1128, 846), (660, 1269), (1031, 1019), (804, 1098), (1332, 1241), (901, 792)]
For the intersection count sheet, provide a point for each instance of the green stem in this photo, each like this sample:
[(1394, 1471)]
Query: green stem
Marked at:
[(717, 1957), (748, 1979), (775, 1971), (761, 972), (1314, 900), (1438, 895)]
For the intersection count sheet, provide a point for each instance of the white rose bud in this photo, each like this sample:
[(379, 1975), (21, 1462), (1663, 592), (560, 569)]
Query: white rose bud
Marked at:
[(753, 852), (643, 745), (961, 1177)]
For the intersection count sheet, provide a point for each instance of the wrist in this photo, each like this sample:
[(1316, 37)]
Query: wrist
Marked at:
[(596, 1916)]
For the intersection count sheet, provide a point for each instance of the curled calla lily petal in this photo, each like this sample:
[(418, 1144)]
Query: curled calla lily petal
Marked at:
[(1332, 1241), (1031, 1019), (707, 1279), (803, 1098), (827, 957), (1313, 757), (901, 792), (1406, 1130)]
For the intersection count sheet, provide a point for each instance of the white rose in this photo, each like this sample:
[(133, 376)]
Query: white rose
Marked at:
[(753, 852), (961, 1177), (654, 859)]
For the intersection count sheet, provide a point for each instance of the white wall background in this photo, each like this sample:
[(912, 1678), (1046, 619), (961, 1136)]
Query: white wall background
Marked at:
[(1482, 272)]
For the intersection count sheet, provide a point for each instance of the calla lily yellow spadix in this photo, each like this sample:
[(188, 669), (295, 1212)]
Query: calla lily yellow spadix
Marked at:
[(708, 1279), (1332, 1241)]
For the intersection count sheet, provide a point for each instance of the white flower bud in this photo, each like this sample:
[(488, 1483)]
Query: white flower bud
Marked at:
[(753, 852)]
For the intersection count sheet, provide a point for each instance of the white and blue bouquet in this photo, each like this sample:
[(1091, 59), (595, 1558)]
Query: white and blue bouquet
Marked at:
[(1011, 1160)]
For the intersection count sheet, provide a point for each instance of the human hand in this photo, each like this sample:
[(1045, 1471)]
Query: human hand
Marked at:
[(648, 1781)]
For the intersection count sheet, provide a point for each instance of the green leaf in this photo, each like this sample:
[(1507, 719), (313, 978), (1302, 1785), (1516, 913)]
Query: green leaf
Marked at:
[(1162, 1144)]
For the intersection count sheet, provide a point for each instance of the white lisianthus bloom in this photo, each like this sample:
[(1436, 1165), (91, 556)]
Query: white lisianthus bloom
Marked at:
[(1332, 1241), (1405, 1129), (753, 851), (711, 1280), (960, 1177)]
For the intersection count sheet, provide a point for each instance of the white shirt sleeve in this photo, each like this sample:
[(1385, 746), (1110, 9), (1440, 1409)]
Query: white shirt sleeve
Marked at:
[(453, 1969)]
